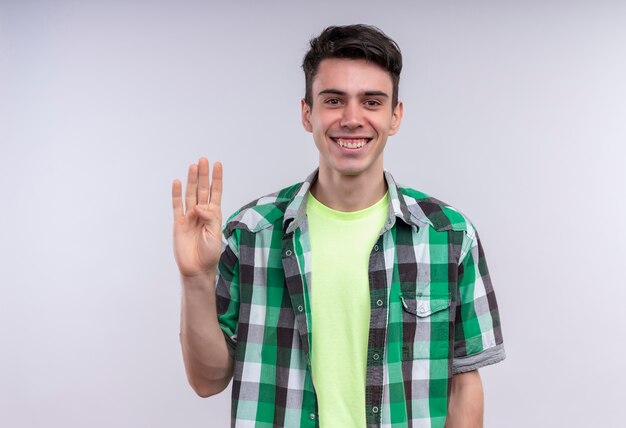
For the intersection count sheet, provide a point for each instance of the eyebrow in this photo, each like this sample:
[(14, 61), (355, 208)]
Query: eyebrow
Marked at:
[(366, 93)]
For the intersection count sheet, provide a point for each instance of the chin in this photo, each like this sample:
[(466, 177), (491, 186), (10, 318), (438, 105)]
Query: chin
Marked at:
[(351, 172)]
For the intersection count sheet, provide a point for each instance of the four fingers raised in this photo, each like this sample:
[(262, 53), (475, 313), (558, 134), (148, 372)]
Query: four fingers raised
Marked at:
[(198, 191)]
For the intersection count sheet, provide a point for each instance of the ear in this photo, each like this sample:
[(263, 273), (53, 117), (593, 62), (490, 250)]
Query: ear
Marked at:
[(306, 116), (396, 118)]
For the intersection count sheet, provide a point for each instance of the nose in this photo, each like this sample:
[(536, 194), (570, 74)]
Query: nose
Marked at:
[(351, 117)]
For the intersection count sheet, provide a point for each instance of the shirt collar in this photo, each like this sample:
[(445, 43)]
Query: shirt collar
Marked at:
[(400, 206)]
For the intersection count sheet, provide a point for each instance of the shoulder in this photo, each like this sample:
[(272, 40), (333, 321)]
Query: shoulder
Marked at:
[(262, 212), (443, 217), (439, 214)]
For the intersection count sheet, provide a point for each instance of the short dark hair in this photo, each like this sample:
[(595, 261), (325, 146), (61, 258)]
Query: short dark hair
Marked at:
[(357, 41)]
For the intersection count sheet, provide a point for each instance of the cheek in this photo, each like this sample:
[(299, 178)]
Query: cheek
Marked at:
[(385, 126), (320, 128), (320, 145), (319, 136), (325, 119)]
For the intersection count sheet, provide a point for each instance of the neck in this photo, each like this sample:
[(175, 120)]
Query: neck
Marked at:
[(349, 192)]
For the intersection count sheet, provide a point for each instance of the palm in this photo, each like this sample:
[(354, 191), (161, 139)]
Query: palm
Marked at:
[(197, 228)]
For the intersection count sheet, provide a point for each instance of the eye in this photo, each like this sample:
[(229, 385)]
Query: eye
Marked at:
[(373, 103), (332, 101)]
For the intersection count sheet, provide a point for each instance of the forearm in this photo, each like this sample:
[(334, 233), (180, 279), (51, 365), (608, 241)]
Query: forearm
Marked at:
[(208, 364), (465, 409)]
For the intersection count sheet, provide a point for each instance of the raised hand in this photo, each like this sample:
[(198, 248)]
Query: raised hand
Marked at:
[(198, 227)]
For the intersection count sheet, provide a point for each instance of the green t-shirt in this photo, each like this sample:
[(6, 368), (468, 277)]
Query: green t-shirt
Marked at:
[(341, 243)]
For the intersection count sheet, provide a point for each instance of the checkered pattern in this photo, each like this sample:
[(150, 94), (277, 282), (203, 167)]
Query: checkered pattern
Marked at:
[(433, 310)]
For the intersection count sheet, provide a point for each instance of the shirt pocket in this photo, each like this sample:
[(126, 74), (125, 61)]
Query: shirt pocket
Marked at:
[(425, 325)]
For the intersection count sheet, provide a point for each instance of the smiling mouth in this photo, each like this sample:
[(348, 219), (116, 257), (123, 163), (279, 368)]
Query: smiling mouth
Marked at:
[(351, 143)]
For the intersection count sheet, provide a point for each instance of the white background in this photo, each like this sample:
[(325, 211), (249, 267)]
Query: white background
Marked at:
[(515, 113)]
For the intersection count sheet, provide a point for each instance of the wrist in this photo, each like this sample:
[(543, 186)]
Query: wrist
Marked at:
[(203, 280)]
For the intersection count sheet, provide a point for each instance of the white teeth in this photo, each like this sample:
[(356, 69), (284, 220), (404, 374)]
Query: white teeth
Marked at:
[(351, 143)]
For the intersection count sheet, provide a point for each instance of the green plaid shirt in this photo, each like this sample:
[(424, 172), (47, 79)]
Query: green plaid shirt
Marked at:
[(433, 310)]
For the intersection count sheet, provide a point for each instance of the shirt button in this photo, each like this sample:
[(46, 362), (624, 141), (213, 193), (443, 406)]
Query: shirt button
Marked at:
[(375, 247), (374, 409), (376, 357), (288, 253), (312, 416), (300, 308), (421, 309), (379, 302)]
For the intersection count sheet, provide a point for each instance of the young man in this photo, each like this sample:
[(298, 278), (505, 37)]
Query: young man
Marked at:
[(346, 300)]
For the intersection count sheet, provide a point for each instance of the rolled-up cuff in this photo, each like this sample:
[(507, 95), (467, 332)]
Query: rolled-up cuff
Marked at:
[(472, 362)]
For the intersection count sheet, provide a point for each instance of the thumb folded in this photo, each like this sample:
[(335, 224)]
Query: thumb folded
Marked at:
[(202, 213)]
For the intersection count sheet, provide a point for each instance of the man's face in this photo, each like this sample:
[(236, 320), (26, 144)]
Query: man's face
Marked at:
[(351, 116)]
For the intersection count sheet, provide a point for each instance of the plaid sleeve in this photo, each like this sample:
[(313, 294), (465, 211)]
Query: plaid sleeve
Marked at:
[(478, 337), (227, 290)]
